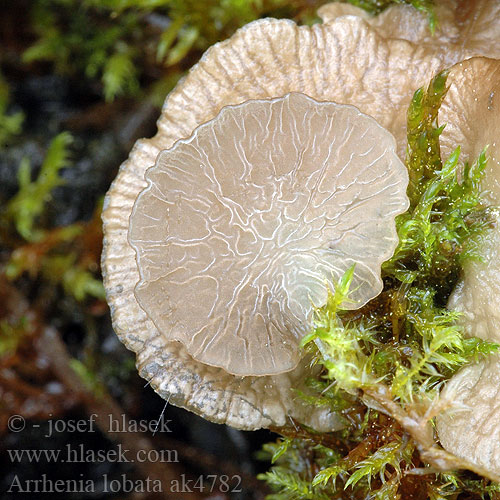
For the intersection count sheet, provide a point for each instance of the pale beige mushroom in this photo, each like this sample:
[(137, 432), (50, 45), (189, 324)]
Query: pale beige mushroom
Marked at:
[(471, 111), (466, 28), (344, 62), (253, 215)]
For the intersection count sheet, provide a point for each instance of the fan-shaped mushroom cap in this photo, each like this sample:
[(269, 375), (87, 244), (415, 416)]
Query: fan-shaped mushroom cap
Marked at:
[(400, 21), (471, 112), (466, 28), (252, 215), (344, 62), (471, 427)]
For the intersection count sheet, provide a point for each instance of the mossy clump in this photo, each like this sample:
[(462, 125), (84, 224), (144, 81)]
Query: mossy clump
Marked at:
[(384, 364)]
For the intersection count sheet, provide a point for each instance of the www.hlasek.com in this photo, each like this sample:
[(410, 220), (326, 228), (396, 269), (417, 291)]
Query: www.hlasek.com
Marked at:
[(81, 454), (211, 483)]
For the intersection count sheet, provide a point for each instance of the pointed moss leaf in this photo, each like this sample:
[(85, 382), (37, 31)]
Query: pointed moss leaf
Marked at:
[(388, 491), (450, 165), (24, 173), (187, 38), (29, 202), (167, 38), (324, 315), (10, 124), (81, 283), (437, 86), (291, 486), (475, 349), (88, 377), (325, 475), (119, 75), (377, 463), (342, 288), (281, 449)]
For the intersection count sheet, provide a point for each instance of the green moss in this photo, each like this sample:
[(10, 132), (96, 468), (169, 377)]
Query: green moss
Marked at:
[(446, 218), (383, 365), (89, 378), (29, 202), (126, 43), (10, 123), (12, 333), (57, 255)]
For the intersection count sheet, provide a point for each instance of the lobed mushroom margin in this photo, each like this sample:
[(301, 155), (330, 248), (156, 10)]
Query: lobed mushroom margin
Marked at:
[(178, 120), (254, 217), (265, 59)]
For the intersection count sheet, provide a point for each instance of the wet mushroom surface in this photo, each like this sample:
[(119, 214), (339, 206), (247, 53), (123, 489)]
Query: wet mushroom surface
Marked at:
[(344, 61), (254, 216)]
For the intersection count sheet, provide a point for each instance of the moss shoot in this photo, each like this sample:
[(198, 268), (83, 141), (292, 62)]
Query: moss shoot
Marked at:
[(384, 364)]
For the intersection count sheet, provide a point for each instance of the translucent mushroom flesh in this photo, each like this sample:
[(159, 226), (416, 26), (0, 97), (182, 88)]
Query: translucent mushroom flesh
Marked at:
[(345, 61), (253, 216)]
